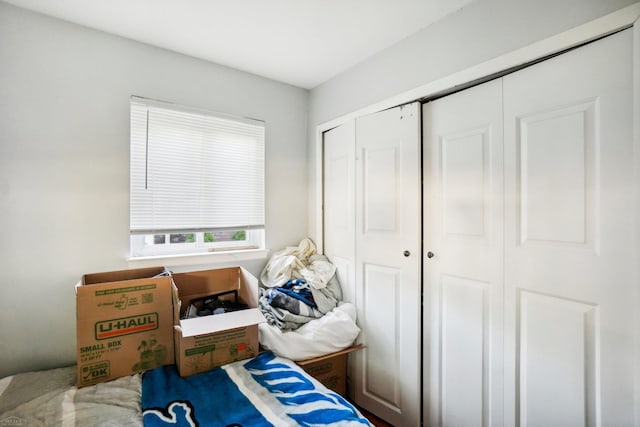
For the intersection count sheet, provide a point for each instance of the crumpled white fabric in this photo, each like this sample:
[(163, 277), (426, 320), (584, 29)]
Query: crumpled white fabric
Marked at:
[(286, 264), (318, 272), (332, 332), (298, 262)]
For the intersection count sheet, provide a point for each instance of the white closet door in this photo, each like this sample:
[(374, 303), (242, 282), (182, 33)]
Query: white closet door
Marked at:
[(570, 278), (464, 278), (339, 145), (388, 247)]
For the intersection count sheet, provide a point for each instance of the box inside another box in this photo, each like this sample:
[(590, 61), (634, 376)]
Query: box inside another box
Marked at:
[(205, 342)]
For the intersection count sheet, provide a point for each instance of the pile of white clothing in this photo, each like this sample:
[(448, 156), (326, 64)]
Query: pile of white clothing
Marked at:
[(300, 296), (303, 269)]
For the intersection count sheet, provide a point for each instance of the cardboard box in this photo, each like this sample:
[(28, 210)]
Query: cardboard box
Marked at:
[(331, 369), (204, 343), (124, 324)]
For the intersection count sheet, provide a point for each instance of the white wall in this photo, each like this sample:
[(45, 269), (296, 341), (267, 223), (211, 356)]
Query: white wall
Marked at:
[(64, 165), (477, 33)]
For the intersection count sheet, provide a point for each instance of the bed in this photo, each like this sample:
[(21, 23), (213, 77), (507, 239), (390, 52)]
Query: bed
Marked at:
[(267, 390)]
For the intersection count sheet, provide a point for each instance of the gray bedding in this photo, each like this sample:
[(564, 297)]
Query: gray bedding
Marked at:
[(50, 398)]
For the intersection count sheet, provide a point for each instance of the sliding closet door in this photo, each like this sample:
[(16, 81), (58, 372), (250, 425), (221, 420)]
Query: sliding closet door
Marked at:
[(570, 278), (388, 261), (339, 145), (463, 264)]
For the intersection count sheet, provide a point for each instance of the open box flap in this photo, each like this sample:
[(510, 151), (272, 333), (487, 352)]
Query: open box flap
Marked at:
[(221, 322)]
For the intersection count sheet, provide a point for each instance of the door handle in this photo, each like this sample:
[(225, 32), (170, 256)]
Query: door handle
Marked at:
[(430, 254)]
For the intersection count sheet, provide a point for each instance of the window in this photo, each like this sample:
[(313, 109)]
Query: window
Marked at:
[(197, 181)]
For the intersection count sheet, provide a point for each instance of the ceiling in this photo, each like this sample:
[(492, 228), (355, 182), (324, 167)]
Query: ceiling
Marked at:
[(299, 42)]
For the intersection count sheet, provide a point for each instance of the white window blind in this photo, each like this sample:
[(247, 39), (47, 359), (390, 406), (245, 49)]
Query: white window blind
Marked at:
[(192, 170)]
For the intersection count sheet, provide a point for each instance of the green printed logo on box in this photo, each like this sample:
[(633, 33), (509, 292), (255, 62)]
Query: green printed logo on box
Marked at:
[(199, 350), (95, 372), (126, 326), (123, 290), (320, 369)]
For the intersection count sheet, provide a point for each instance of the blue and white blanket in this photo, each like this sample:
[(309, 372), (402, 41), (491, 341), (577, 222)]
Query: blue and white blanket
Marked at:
[(264, 391)]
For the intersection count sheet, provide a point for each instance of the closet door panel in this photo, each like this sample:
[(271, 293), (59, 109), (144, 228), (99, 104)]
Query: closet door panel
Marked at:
[(561, 180), (464, 360), (381, 185), (463, 231), (463, 183), (339, 204), (381, 291), (388, 261), (564, 329), (570, 277)]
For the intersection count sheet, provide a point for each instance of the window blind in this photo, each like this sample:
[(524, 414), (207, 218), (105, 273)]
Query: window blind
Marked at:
[(192, 170)]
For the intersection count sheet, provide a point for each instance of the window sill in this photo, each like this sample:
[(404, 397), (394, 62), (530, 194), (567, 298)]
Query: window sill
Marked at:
[(194, 259)]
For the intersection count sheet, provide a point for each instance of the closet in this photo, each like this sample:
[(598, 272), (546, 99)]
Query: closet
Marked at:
[(489, 240)]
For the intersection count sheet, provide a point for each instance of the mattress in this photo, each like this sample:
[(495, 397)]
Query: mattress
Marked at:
[(267, 390)]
